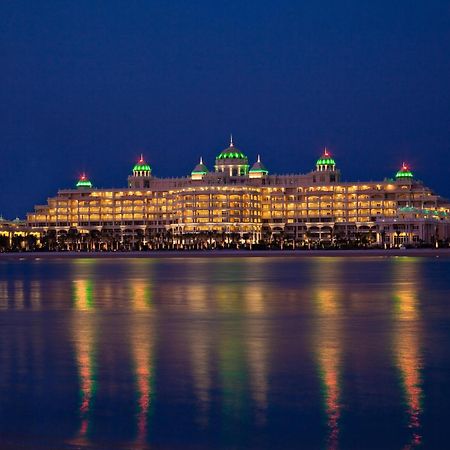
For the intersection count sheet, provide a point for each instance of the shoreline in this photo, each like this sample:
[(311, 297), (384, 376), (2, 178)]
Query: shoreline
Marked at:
[(426, 252)]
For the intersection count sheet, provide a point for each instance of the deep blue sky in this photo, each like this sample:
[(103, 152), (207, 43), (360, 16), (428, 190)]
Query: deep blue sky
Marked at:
[(89, 85)]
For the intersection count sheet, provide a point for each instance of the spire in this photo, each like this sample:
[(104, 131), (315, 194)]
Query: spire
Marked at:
[(201, 160), (141, 160), (231, 140), (325, 152), (259, 159)]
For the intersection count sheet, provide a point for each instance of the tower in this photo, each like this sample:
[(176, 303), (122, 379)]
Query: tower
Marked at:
[(142, 173), (326, 169)]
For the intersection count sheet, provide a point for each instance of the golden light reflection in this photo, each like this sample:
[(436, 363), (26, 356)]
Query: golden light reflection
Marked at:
[(257, 354), (197, 295), (84, 337), (84, 330), (407, 338), (258, 349), (328, 343), (142, 341), (35, 294), (19, 297), (83, 298), (140, 295), (254, 298), (201, 363), (4, 294)]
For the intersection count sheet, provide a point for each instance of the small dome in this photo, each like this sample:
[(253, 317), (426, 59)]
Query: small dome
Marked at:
[(404, 172), (200, 168), (141, 166), (326, 159), (258, 167), (83, 182), (231, 152)]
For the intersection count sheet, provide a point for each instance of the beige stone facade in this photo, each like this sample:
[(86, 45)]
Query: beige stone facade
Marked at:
[(234, 204)]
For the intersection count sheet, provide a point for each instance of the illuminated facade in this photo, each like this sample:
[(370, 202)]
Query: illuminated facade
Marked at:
[(16, 235), (234, 204)]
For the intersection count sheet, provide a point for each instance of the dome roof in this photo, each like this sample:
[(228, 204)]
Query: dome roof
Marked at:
[(258, 167), (141, 165), (200, 168), (404, 172), (231, 152), (83, 182), (326, 159)]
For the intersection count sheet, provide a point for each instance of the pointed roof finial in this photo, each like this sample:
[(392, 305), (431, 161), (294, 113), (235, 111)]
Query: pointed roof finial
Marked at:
[(141, 160), (259, 159), (201, 160), (325, 152), (231, 140)]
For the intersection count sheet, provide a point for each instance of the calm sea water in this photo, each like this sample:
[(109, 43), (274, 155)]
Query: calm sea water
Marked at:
[(204, 353)]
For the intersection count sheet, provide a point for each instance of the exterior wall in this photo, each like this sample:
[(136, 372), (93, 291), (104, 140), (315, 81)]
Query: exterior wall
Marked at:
[(414, 226), (301, 208)]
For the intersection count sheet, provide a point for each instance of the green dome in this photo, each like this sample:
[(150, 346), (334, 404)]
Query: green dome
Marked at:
[(258, 167), (231, 153), (84, 183), (404, 173), (326, 159), (141, 166), (200, 168)]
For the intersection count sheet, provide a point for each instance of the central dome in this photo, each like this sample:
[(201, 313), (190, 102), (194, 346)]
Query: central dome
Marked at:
[(231, 152)]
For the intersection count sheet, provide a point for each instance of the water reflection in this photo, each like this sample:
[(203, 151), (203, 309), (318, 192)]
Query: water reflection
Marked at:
[(201, 360), (328, 341), (258, 349), (84, 338), (246, 356), (4, 294), (142, 343), (407, 341)]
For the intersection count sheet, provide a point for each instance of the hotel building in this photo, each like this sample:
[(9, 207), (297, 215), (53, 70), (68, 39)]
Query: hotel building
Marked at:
[(236, 203)]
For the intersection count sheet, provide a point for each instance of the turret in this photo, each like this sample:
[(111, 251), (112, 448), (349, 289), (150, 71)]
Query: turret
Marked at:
[(200, 170), (258, 169)]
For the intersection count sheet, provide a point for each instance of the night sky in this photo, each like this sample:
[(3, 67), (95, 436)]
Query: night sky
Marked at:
[(88, 86)]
